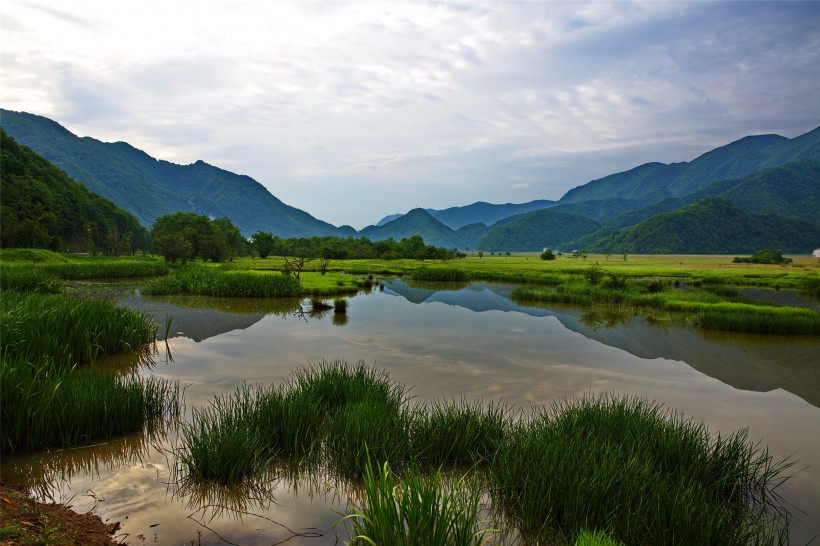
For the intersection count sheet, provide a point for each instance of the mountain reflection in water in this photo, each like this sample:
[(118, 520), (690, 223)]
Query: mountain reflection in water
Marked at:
[(744, 361)]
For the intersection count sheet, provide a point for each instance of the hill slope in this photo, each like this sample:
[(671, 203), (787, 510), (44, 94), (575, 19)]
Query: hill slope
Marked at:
[(536, 230), (712, 226), (415, 222), (652, 182), (150, 188), (44, 207)]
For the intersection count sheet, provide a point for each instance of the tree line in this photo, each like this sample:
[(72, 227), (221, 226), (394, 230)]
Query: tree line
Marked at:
[(186, 236)]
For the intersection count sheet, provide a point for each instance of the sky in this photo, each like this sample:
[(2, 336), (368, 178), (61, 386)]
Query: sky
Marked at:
[(355, 110)]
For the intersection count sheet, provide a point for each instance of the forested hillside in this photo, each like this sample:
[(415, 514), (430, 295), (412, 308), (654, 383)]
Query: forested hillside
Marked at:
[(537, 230), (42, 207), (652, 182), (416, 222), (151, 188), (712, 226)]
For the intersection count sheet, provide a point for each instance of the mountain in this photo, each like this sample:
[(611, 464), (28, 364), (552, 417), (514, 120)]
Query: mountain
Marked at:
[(600, 210), (43, 207), (537, 230), (652, 182), (472, 234), (486, 213), (713, 225), (415, 222), (151, 188)]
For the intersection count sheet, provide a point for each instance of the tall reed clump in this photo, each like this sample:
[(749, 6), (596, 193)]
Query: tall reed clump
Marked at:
[(69, 330), (47, 399), (458, 433), (24, 278), (647, 477), (107, 268), (332, 410), (420, 510), (50, 405), (440, 274), (713, 307), (211, 281)]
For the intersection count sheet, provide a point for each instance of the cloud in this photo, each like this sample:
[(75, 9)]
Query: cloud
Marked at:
[(435, 104)]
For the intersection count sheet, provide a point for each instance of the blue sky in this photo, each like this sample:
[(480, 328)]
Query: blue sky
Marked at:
[(354, 110)]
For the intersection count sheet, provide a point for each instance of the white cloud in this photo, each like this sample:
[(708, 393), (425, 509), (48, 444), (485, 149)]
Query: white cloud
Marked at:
[(352, 110)]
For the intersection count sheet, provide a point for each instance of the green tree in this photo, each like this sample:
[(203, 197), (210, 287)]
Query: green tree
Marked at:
[(263, 242), (548, 254)]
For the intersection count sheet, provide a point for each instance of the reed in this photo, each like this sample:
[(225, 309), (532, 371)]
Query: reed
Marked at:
[(623, 465), (458, 433), (25, 278), (712, 306), (440, 274), (67, 329), (420, 510), (46, 404), (213, 281), (647, 476)]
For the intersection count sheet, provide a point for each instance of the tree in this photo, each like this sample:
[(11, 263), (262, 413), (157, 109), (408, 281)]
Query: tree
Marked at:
[(263, 242), (548, 254)]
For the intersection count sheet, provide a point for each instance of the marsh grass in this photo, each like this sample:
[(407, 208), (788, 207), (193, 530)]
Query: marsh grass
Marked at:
[(69, 330), (215, 281), (440, 274), (647, 476), (50, 405), (624, 465), (711, 306), (422, 509), (458, 433), (29, 279)]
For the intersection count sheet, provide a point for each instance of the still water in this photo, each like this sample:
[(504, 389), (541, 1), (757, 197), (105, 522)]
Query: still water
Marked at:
[(457, 341)]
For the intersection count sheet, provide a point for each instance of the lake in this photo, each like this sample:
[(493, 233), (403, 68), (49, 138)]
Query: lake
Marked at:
[(442, 342)]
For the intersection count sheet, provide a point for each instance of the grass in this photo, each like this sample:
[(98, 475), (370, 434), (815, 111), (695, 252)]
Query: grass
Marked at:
[(69, 330), (420, 510), (623, 465), (647, 476), (706, 305), (216, 281), (48, 399), (440, 274), (49, 405)]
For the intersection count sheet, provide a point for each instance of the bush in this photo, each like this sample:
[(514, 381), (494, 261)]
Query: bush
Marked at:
[(548, 254)]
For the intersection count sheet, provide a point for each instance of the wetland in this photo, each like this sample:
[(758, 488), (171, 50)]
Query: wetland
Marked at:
[(468, 342)]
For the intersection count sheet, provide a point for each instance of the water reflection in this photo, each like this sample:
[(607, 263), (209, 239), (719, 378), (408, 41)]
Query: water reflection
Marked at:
[(744, 361), (473, 342), (202, 317)]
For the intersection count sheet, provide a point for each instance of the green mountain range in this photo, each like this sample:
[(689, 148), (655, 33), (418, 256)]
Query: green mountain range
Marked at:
[(43, 207), (416, 222), (769, 181), (151, 188), (713, 225), (534, 231), (652, 182)]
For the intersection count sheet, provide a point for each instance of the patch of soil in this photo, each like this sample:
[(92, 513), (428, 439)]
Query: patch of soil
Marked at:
[(24, 521)]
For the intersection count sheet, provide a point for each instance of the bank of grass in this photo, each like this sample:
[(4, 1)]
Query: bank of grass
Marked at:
[(710, 306), (620, 464), (204, 280), (69, 330), (52, 395), (51, 405)]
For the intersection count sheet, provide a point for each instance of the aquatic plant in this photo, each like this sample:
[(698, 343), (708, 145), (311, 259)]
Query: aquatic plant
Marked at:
[(645, 475), (46, 404), (69, 330), (214, 281), (440, 274), (421, 509)]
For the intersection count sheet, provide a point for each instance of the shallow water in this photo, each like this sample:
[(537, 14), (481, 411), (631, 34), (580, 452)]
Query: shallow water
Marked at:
[(473, 342)]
